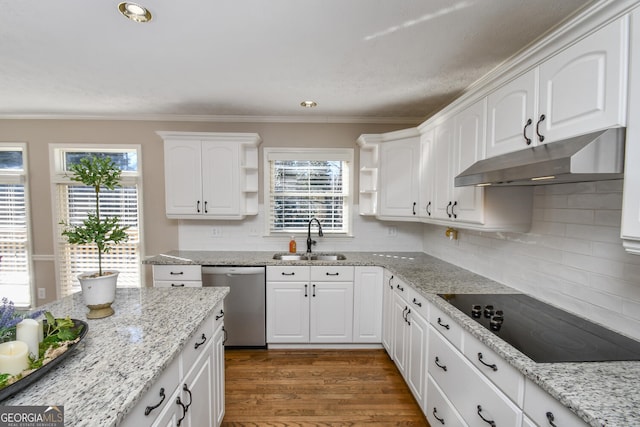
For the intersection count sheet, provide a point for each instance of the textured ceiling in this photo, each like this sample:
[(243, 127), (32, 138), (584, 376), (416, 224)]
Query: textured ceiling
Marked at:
[(369, 59)]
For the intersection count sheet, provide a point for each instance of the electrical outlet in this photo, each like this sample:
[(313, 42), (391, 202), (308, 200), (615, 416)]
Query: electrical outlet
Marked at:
[(392, 231), (216, 232), (253, 231), (42, 293)]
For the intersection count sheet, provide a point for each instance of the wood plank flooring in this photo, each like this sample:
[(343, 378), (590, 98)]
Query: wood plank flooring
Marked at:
[(316, 388)]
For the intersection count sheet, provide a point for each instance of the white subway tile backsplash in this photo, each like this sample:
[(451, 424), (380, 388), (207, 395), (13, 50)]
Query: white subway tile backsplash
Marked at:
[(571, 257), (595, 201), (570, 216), (596, 233), (611, 218)]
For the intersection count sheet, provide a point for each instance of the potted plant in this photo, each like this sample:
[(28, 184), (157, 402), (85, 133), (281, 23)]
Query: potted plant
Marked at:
[(98, 288)]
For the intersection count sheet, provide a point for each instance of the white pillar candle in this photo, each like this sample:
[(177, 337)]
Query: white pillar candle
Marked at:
[(14, 357), (27, 331)]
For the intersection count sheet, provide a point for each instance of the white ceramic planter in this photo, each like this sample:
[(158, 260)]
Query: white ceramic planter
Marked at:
[(99, 293)]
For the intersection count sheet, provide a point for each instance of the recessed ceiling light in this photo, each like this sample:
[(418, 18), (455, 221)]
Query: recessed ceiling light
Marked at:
[(135, 12), (308, 104)]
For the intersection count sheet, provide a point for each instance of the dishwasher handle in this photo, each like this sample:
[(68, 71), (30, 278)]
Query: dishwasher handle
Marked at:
[(235, 271)]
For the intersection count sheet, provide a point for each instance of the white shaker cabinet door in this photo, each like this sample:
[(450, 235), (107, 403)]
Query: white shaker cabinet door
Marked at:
[(399, 177), (442, 175), (331, 312), (583, 88), (630, 229), (367, 305), (511, 113), (221, 178), (468, 148), (287, 312), (183, 179)]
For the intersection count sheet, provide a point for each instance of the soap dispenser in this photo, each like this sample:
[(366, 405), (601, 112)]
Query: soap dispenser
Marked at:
[(292, 245)]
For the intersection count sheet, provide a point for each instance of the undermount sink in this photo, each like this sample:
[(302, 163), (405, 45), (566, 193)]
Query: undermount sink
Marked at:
[(309, 257)]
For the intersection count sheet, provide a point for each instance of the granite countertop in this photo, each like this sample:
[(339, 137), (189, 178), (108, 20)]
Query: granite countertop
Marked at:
[(122, 355), (601, 393)]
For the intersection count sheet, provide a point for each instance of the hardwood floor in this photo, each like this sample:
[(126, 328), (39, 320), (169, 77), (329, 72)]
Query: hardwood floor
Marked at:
[(316, 388)]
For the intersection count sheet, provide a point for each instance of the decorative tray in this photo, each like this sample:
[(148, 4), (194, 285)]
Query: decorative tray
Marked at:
[(34, 376)]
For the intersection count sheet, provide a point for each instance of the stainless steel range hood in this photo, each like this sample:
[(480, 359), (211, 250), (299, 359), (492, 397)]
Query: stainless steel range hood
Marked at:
[(591, 157)]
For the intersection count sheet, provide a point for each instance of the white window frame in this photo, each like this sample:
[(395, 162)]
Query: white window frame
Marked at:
[(59, 176), (295, 153), (21, 177)]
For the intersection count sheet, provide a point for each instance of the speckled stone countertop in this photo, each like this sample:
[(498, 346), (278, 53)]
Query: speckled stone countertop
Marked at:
[(601, 393), (122, 355)]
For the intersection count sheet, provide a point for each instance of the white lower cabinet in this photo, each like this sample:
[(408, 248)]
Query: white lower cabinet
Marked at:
[(544, 410), (410, 339), (310, 304), (477, 400), (177, 276), (190, 392), (367, 305), (387, 312)]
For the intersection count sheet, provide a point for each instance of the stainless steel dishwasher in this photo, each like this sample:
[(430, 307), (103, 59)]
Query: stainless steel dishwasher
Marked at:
[(244, 306)]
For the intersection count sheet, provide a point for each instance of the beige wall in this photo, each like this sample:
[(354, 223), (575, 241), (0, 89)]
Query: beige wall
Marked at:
[(160, 233)]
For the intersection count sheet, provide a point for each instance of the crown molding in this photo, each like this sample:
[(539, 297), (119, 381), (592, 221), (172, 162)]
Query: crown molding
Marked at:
[(218, 118)]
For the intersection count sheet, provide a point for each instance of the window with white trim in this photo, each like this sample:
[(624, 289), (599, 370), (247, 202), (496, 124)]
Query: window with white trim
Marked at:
[(15, 252), (74, 201), (301, 184)]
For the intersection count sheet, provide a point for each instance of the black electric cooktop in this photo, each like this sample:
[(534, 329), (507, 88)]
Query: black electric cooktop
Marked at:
[(542, 332)]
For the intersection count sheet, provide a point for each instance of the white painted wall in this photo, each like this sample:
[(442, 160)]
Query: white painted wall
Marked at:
[(369, 234), (572, 256)]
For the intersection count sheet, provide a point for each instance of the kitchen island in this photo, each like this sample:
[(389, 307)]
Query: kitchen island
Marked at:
[(601, 393), (122, 355)]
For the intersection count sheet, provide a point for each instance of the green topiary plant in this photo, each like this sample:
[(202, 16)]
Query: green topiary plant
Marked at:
[(104, 232)]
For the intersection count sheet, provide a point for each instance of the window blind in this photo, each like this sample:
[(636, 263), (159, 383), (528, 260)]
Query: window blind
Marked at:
[(14, 264), (74, 204), (303, 189)]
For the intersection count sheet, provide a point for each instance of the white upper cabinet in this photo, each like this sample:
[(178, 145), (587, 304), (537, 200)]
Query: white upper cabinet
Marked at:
[(468, 147), (441, 170), (426, 173), (630, 229), (580, 89), (457, 144), (583, 88), (399, 173), (511, 109), (210, 175)]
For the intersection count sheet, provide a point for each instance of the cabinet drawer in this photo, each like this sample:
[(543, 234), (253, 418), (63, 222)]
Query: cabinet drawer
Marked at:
[(418, 303), (477, 400), (177, 283), (168, 382), (197, 344), (399, 287), (444, 324), (439, 410), (331, 273), (287, 274), (542, 408), (177, 272), (503, 375)]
